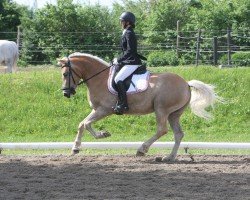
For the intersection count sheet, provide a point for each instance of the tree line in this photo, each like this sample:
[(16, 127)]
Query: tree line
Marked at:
[(58, 30)]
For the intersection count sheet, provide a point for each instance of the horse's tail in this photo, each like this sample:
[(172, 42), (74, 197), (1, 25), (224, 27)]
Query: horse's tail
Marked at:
[(202, 96)]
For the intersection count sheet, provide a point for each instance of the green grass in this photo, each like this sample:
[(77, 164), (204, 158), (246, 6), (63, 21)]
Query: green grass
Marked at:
[(132, 152), (33, 109)]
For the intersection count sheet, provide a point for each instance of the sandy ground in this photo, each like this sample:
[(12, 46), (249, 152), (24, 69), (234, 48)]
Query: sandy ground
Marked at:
[(124, 177)]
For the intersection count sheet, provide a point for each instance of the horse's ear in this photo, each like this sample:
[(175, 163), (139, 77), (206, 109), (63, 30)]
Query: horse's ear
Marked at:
[(61, 61)]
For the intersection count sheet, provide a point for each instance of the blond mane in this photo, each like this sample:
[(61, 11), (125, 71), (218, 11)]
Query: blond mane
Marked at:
[(77, 54)]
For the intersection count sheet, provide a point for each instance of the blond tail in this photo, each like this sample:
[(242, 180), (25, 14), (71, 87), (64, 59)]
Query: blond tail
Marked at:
[(202, 96)]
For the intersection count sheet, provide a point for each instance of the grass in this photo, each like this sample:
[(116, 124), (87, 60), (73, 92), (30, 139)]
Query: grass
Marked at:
[(132, 152), (33, 109)]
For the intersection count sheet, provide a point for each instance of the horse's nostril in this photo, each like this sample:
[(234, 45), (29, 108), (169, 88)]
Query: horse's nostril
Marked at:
[(66, 94)]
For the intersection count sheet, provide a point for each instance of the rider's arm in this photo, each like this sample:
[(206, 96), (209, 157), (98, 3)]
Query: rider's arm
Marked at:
[(131, 45)]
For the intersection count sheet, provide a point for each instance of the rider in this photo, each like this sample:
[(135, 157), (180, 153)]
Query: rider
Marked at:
[(129, 60)]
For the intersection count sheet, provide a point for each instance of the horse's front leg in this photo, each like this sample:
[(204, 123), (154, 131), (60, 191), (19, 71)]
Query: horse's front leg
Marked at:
[(95, 115)]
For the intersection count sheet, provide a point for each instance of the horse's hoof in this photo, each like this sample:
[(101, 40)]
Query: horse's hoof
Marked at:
[(103, 134), (168, 159), (140, 154), (164, 159), (75, 151), (158, 159), (106, 134)]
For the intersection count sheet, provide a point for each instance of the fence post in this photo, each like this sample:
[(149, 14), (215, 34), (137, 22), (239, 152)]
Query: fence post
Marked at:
[(215, 50), (198, 48), (229, 47), (18, 36), (178, 38)]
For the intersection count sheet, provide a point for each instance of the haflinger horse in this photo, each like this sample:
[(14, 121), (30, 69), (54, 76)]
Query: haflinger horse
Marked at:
[(167, 96)]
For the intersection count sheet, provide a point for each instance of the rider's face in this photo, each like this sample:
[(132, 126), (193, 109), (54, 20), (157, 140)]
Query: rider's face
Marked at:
[(123, 24)]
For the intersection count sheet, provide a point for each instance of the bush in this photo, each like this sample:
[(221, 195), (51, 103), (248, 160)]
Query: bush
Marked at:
[(241, 58), (187, 58), (162, 58), (238, 58)]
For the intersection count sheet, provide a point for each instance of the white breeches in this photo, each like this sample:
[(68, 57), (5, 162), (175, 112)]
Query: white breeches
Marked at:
[(125, 71)]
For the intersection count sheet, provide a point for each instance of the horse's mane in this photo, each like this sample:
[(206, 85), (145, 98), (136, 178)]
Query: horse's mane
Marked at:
[(77, 54)]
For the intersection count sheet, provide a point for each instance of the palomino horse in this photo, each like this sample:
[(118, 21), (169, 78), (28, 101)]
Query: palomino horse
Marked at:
[(167, 95)]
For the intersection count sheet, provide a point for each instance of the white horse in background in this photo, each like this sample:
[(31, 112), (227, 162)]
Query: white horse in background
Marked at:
[(9, 55)]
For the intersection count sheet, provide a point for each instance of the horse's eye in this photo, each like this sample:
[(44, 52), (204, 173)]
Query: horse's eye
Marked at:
[(65, 74)]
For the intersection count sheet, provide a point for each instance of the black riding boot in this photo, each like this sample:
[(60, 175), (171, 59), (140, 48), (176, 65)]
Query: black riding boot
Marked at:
[(122, 104)]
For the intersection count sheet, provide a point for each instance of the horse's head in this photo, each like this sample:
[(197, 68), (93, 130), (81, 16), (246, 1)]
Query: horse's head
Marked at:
[(81, 66), (70, 78)]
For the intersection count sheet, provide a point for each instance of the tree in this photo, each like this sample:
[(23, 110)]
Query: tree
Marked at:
[(56, 31), (241, 22), (163, 17), (10, 14), (213, 15), (61, 29)]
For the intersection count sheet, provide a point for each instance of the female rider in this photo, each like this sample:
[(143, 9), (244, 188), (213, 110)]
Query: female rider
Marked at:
[(129, 60)]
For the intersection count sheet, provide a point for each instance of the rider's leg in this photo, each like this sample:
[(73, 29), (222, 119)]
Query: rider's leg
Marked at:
[(125, 72), (122, 104)]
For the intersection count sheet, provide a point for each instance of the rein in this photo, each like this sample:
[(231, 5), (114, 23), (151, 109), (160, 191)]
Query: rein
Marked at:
[(85, 80)]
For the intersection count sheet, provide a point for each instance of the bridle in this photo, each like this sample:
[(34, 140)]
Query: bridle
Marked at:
[(69, 75)]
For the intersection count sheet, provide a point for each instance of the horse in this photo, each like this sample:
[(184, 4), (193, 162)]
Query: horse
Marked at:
[(9, 55), (167, 96)]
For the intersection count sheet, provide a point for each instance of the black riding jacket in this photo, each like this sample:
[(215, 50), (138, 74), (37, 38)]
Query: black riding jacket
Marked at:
[(129, 48)]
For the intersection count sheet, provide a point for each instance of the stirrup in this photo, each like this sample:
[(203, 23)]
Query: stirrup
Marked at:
[(119, 109)]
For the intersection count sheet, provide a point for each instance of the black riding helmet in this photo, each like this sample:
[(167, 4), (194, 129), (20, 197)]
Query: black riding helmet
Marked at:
[(128, 17)]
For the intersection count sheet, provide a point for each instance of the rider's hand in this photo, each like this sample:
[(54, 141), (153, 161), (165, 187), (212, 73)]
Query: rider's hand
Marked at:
[(115, 62)]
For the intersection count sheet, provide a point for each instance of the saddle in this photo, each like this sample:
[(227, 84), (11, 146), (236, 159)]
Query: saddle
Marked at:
[(135, 83)]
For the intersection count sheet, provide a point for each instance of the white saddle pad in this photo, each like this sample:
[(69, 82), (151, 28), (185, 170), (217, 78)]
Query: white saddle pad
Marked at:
[(140, 82)]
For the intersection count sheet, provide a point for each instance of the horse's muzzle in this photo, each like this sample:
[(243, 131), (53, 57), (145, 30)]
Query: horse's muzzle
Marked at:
[(67, 92)]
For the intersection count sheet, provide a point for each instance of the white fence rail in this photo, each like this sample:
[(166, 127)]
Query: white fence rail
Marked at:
[(122, 145)]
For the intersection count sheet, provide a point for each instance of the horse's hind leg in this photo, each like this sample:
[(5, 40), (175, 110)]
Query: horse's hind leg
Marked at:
[(174, 120), (161, 130)]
